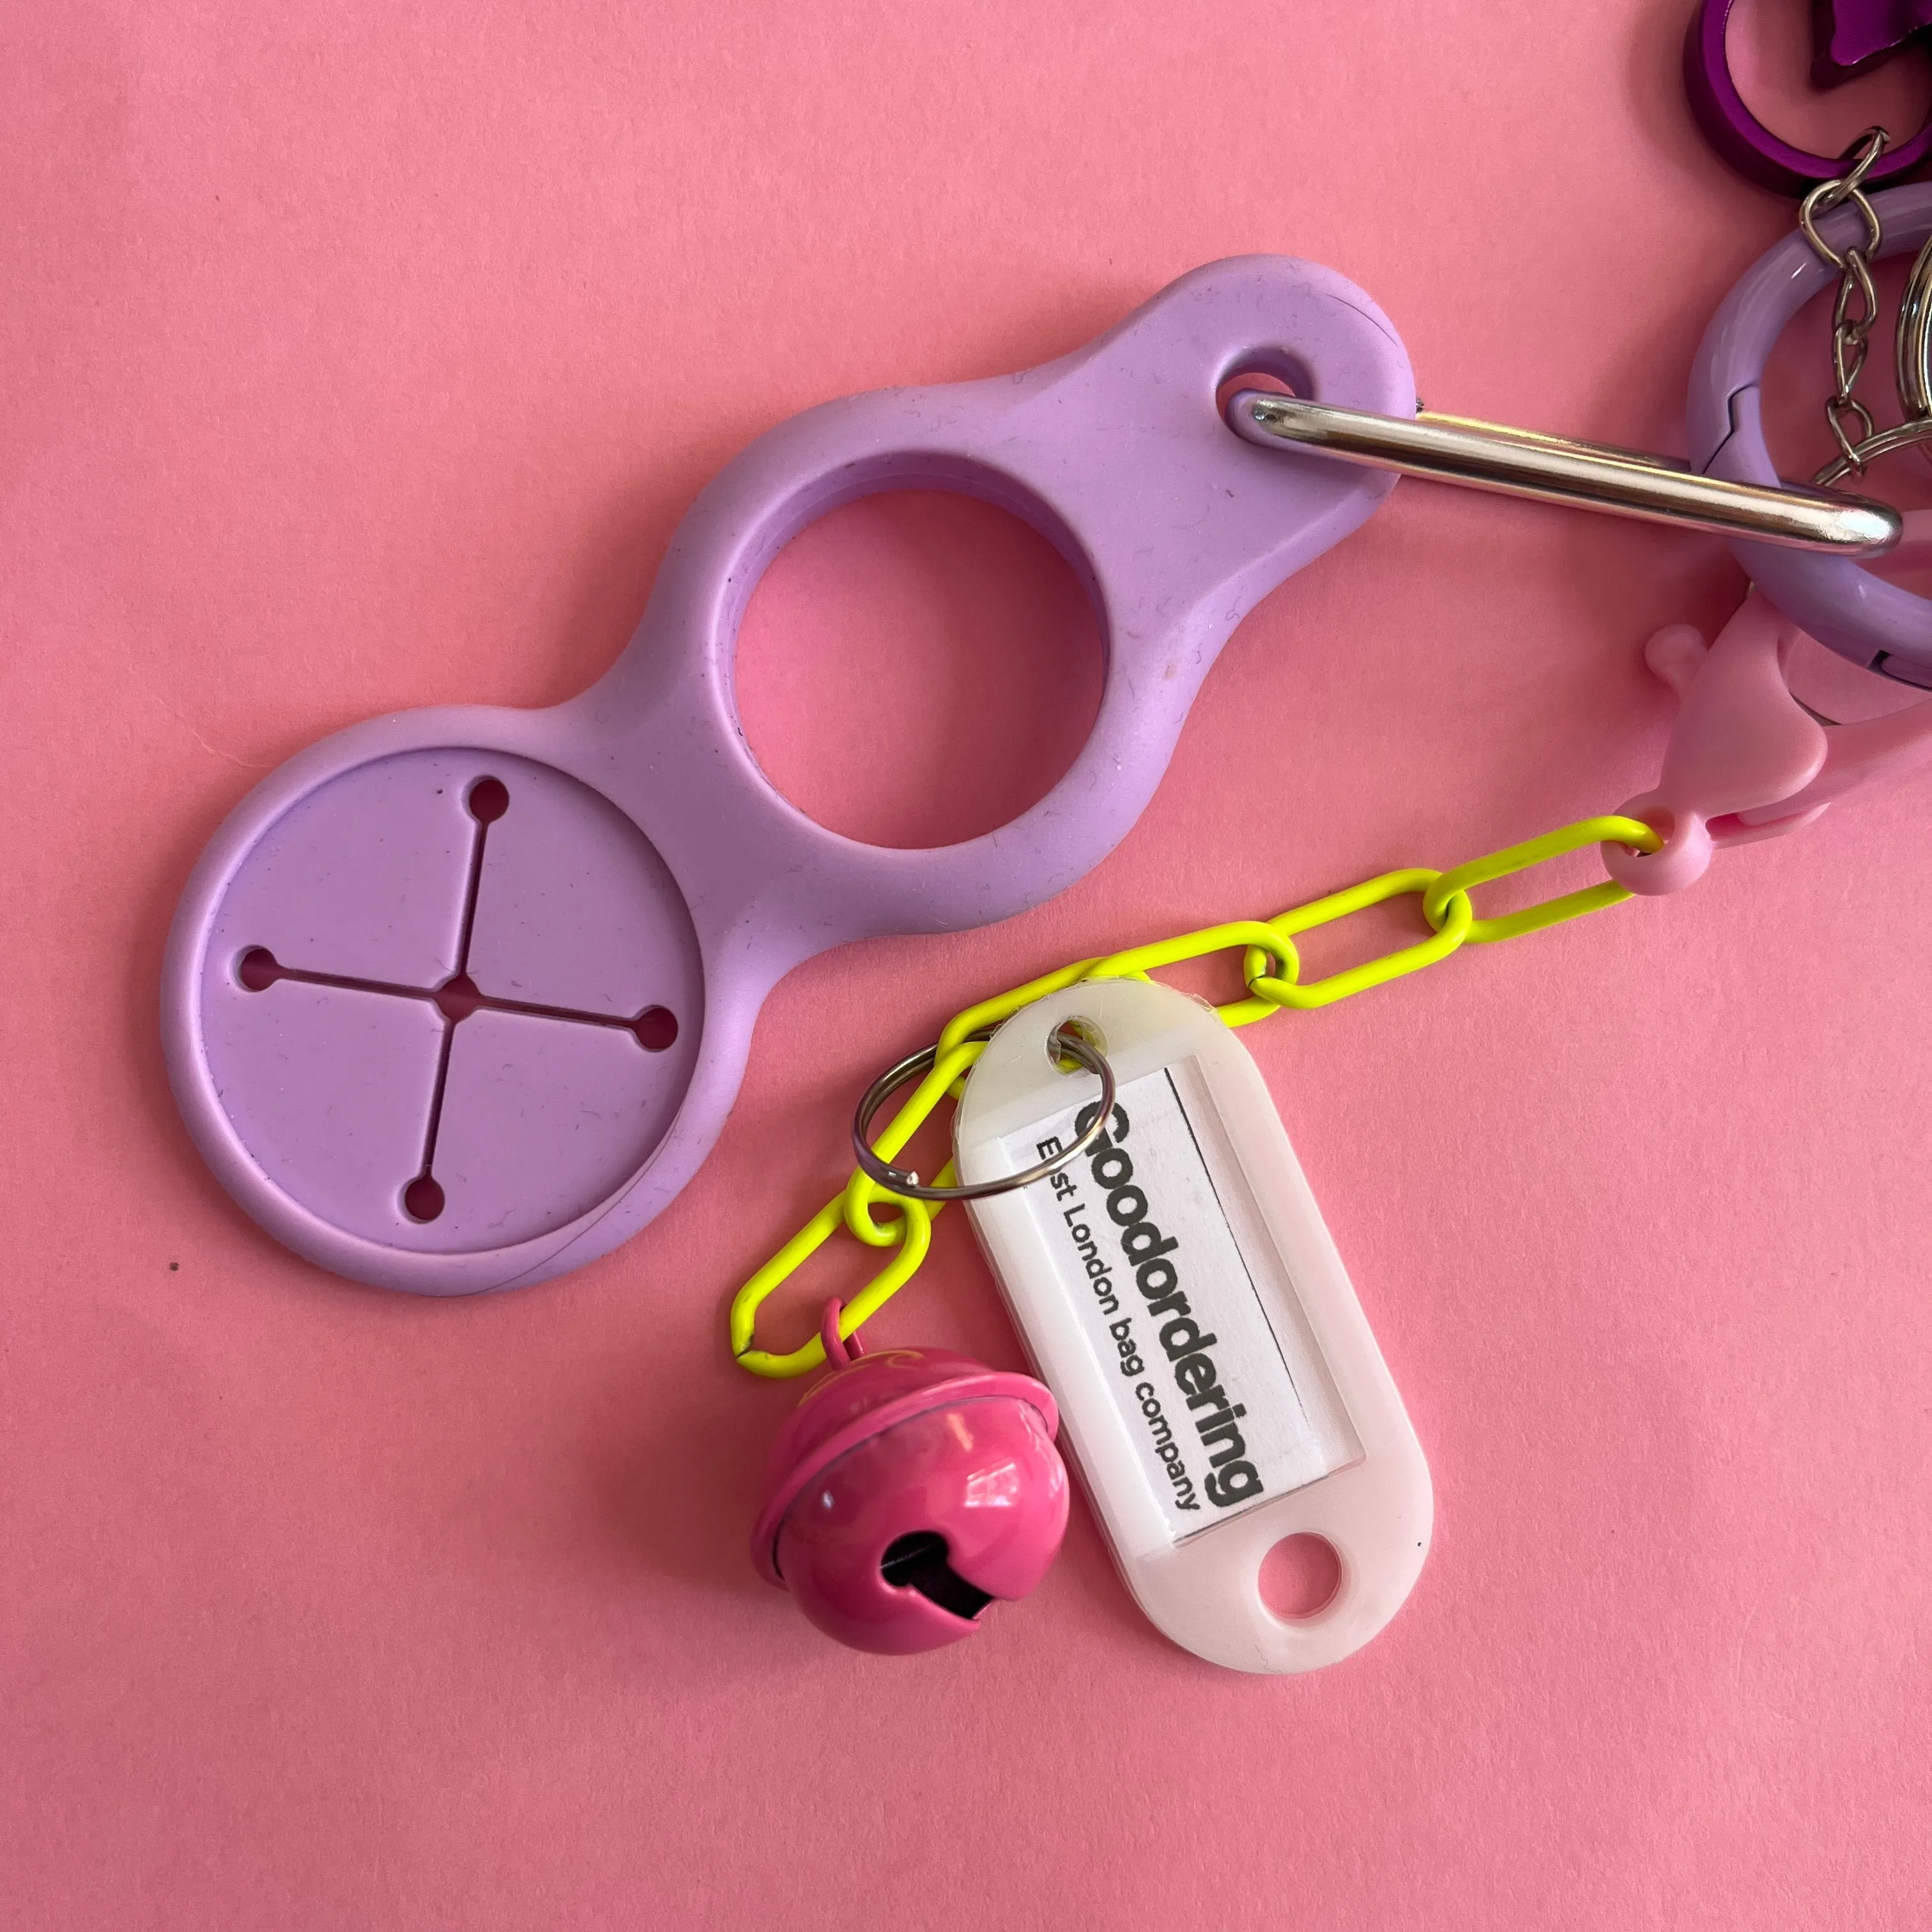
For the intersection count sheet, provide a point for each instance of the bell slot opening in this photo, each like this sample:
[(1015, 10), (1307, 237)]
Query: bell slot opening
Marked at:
[(918, 1562)]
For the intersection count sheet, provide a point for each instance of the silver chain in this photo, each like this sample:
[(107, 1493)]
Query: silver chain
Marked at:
[(1856, 308)]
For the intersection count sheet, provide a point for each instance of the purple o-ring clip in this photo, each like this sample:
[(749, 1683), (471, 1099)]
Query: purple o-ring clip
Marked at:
[(1861, 616), (1745, 141), (460, 998)]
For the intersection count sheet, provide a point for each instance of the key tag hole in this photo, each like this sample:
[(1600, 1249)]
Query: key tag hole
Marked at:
[(1300, 1577), (1085, 1029)]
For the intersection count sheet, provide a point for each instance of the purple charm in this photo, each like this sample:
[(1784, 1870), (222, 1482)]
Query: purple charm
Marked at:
[(1853, 36), (460, 997), (1744, 140)]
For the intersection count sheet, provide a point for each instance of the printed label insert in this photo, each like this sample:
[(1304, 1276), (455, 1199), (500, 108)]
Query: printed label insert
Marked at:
[(1187, 1302)]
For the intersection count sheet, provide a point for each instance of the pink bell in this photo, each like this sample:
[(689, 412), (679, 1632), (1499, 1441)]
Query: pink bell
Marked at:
[(906, 1492)]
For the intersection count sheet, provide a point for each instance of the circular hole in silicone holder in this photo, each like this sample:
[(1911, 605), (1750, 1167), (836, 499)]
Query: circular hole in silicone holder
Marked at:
[(1266, 380), (456, 1000), (656, 1029), (917, 668), (257, 969), (489, 799), (423, 1198), (1300, 1576)]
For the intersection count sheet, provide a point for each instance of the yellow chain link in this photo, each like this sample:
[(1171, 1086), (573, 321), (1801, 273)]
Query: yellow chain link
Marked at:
[(1266, 944)]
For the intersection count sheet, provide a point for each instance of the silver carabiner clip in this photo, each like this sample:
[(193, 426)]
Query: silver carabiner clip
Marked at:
[(1561, 469)]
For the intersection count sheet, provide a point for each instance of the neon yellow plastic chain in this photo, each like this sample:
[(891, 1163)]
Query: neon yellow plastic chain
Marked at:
[(1272, 969)]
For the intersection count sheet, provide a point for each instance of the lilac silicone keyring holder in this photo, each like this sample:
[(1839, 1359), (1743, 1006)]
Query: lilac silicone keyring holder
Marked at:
[(1745, 141), (1859, 615), (460, 998)]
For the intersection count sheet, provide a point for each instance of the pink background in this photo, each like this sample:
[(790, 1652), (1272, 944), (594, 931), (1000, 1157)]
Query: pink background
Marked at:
[(359, 357)]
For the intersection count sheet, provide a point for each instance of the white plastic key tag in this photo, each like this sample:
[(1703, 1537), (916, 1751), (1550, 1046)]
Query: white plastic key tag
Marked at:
[(1218, 1384)]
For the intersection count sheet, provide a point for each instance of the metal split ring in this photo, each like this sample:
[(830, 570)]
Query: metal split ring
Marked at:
[(1062, 1040)]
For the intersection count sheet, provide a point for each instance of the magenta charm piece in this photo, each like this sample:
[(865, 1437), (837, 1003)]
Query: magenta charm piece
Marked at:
[(907, 1492), (1852, 36), (460, 998)]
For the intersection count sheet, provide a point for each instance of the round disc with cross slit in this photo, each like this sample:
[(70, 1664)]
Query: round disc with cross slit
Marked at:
[(450, 1000)]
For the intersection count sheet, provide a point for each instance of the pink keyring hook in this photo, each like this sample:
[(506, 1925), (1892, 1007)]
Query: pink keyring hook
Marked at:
[(1746, 760)]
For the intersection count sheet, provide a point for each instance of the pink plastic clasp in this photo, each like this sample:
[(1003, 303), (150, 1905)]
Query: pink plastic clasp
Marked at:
[(1747, 761)]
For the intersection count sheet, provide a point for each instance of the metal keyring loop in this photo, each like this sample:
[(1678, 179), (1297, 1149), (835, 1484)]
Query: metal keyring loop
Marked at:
[(1881, 442), (1742, 139), (1062, 1040), (1818, 204)]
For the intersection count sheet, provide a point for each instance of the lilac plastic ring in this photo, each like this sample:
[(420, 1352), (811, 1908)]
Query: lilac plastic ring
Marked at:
[(1860, 616), (1745, 141)]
